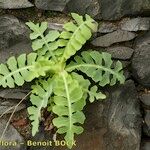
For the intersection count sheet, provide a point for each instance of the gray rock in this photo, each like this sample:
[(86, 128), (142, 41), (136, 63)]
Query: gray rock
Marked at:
[(115, 9), (124, 118), (16, 50), (141, 65), (135, 24), (145, 144), (55, 26), (11, 135), (127, 24), (15, 4), (120, 52), (145, 99), (12, 31), (107, 27), (146, 126), (125, 63), (114, 37), (143, 40), (141, 60), (127, 74), (14, 37), (7, 106), (90, 7), (147, 118), (17, 94), (56, 5), (146, 130)]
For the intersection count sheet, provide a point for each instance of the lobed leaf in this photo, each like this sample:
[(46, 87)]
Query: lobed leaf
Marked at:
[(41, 93), (41, 42), (99, 67), (77, 34), (92, 92), (68, 99), (24, 68), (37, 29)]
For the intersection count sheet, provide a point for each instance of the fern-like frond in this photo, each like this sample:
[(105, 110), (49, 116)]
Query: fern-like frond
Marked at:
[(77, 34), (42, 43), (68, 106), (41, 93), (24, 68), (99, 67)]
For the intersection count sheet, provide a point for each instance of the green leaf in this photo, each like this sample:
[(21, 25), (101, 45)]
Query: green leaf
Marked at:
[(77, 18), (41, 66), (37, 29), (37, 44), (77, 34), (99, 67), (15, 71), (85, 83), (52, 36), (24, 68), (65, 35), (41, 42), (55, 47), (70, 26), (95, 95), (41, 93), (68, 95)]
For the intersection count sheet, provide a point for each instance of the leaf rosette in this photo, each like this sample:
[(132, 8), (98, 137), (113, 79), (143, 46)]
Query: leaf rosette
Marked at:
[(58, 83)]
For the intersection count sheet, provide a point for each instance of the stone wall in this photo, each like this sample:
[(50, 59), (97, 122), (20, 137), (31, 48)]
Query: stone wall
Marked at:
[(122, 121)]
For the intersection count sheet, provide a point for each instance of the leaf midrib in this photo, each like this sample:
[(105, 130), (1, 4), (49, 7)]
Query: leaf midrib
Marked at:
[(68, 100), (46, 96), (74, 33), (94, 66), (16, 71), (43, 38)]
